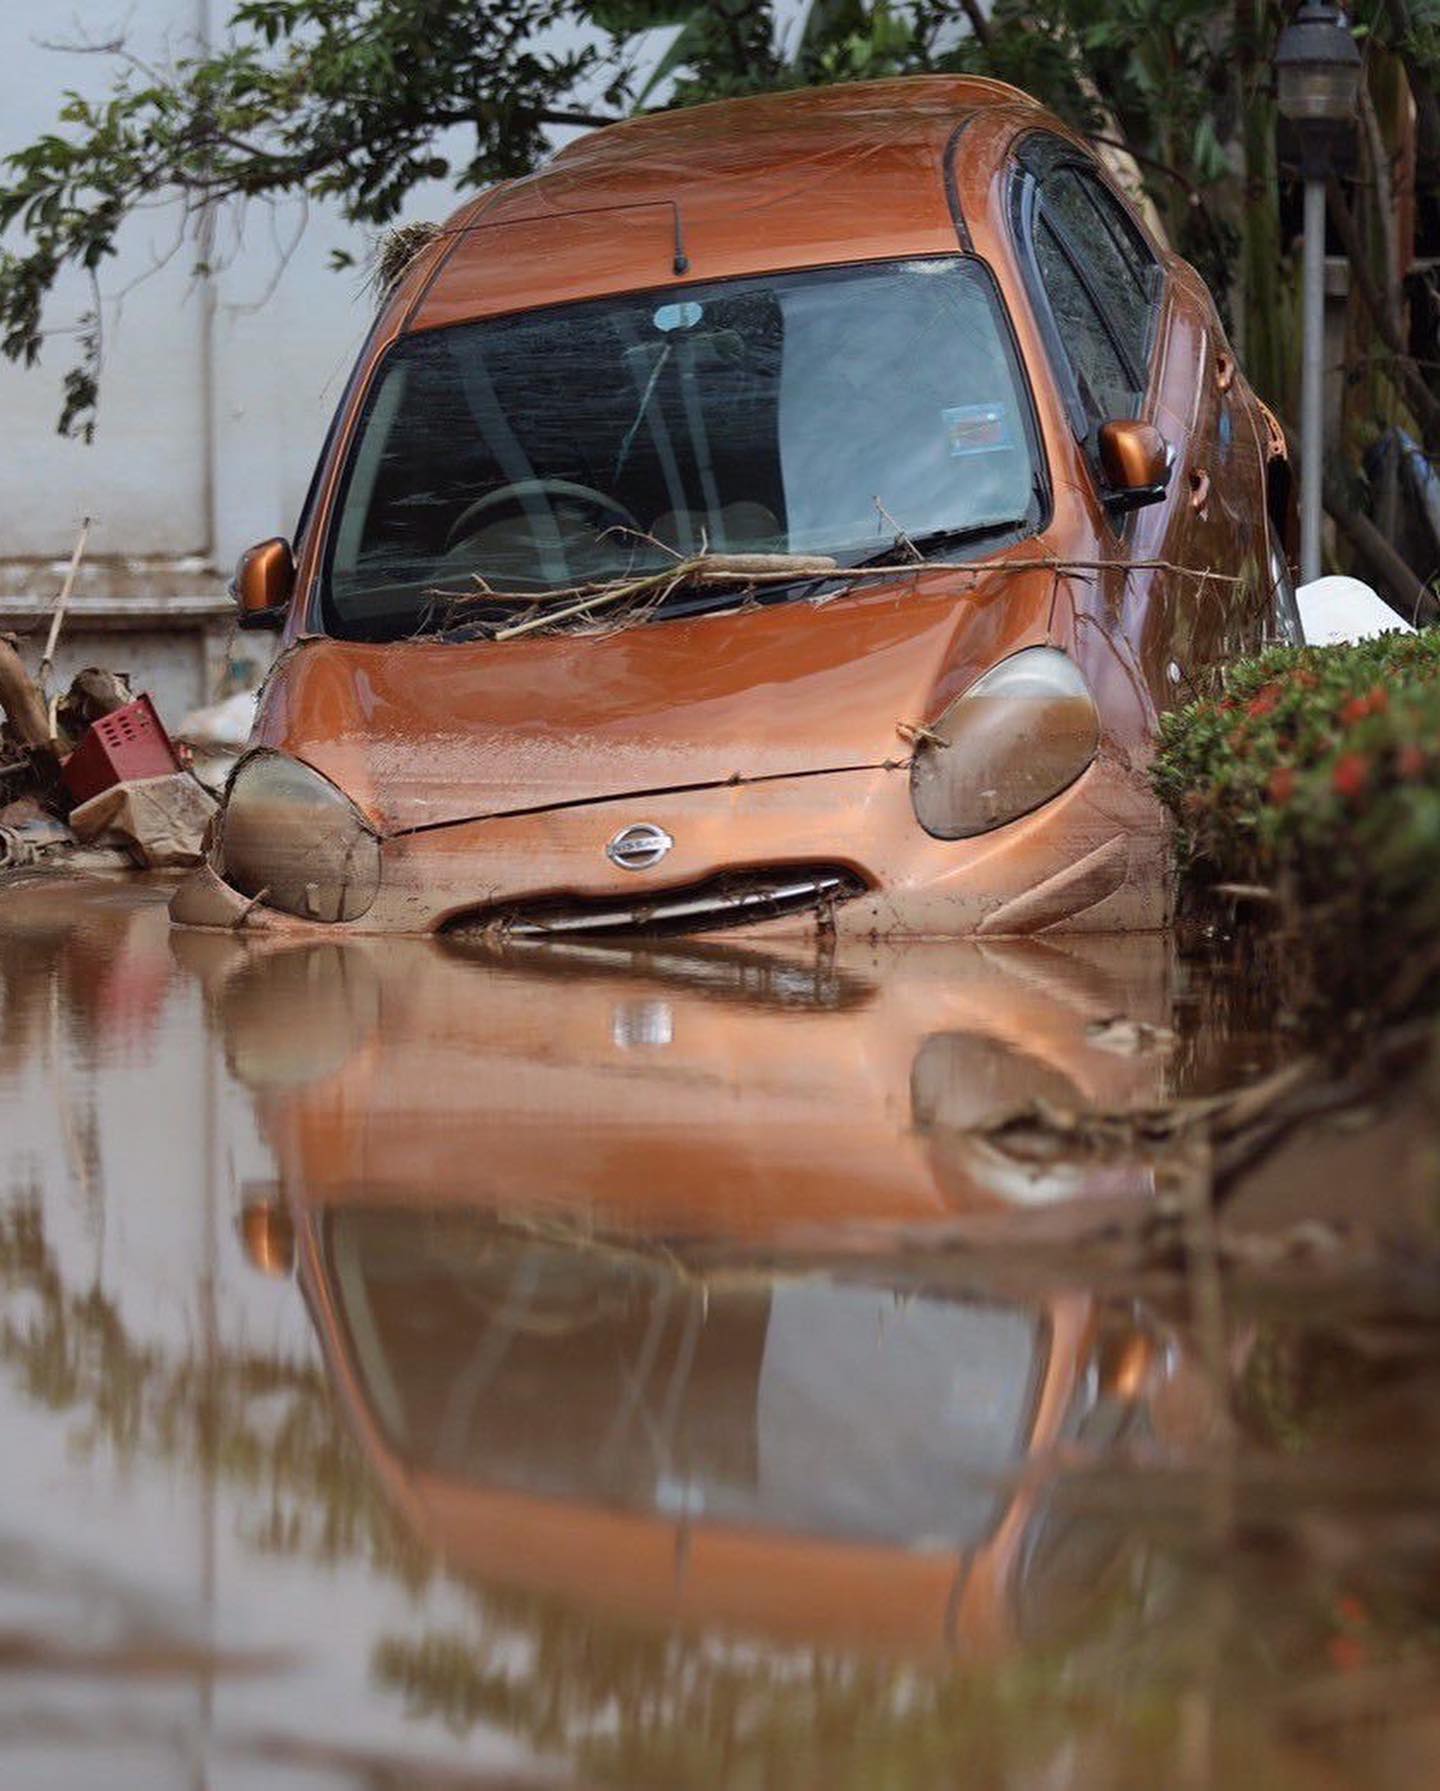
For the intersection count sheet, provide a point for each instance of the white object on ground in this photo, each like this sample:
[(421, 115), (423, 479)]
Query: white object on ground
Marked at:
[(224, 726), (216, 736), (1339, 609)]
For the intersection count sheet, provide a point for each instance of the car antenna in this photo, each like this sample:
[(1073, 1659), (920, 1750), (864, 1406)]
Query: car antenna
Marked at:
[(682, 260)]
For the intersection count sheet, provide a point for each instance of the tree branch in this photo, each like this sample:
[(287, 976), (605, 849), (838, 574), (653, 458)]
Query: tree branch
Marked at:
[(979, 24), (595, 121), (1388, 571), (1192, 191), (1422, 91)]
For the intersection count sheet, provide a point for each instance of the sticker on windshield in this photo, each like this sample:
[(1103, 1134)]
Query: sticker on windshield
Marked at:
[(678, 317), (977, 429)]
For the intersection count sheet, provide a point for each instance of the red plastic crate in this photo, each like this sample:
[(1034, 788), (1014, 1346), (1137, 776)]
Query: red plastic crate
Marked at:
[(126, 744)]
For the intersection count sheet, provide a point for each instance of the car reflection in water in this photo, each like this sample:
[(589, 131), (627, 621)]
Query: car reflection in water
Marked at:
[(500, 1180)]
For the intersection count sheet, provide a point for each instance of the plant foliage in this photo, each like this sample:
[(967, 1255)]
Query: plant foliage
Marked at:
[(1316, 773)]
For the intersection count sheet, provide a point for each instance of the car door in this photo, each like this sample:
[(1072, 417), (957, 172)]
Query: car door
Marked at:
[(1128, 341)]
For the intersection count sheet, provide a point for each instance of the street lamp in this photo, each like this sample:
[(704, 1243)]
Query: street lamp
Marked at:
[(1317, 65)]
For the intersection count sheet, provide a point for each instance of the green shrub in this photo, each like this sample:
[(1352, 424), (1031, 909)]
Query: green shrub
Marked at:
[(1316, 772)]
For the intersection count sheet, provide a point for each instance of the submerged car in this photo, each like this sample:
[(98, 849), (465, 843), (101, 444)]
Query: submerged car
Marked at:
[(784, 515)]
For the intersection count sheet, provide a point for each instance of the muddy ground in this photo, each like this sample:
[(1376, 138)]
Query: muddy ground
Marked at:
[(661, 1368)]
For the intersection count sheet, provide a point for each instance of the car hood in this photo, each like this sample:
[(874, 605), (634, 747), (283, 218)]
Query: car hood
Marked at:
[(425, 733)]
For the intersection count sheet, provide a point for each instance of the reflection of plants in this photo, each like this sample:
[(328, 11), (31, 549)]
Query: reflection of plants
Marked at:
[(1301, 1387), (264, 1427), (637, 1709)]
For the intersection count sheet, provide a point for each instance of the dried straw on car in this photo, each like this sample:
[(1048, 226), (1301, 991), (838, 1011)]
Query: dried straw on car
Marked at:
[(395, 255)]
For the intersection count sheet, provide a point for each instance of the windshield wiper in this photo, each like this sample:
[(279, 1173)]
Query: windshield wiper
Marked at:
[(700, 600), (937, 540)]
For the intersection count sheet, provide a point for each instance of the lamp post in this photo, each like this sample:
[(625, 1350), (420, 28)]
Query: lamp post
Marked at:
[(1318, 68)]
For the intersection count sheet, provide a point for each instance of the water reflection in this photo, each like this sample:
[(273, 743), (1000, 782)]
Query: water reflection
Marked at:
[(679, 1094), (809, 1457), (417, 1370)]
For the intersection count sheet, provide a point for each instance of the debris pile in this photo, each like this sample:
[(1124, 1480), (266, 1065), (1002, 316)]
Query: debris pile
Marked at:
[(91, 779)]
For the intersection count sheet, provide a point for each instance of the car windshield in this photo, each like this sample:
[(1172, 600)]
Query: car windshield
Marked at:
[(837, 412)]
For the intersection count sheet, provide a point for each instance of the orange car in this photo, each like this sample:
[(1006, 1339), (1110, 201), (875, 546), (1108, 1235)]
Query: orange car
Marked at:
[(784, 515)]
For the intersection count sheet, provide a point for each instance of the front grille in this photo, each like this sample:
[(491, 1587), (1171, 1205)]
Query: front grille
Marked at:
[(738, 898)]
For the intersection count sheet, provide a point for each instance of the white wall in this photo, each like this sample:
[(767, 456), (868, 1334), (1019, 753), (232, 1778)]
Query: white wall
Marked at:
[(145, 477), (216, 392)]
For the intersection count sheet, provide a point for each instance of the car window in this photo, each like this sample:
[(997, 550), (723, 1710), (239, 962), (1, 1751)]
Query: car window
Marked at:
[(1107, 388), (1094, 279), (1136, 252), (816, 413), (1103, 241)]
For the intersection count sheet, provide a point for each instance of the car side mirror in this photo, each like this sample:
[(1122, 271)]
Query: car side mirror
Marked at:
[(1135, 459), (263, 583)]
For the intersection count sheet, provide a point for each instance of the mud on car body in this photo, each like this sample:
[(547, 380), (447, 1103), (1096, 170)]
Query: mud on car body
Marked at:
[(786, 514)]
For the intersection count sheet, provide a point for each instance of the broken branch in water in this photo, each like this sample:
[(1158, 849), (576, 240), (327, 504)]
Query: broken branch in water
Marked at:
[(1236, 1128), (1041, 1129)]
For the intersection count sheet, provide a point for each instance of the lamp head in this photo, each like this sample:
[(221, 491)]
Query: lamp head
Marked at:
[(1317, 65)]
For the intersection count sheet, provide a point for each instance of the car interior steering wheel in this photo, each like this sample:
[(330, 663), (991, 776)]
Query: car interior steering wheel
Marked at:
[(465, 524)]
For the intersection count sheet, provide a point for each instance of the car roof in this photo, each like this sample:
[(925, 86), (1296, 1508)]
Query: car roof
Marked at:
[(785, 180)]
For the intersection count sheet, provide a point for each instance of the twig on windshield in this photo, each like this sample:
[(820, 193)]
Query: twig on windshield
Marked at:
[(568, 603), (902, 539), (703, 569)]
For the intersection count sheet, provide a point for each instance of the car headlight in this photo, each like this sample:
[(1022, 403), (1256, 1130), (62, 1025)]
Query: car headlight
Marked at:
[(1019, 736), (288, 834)]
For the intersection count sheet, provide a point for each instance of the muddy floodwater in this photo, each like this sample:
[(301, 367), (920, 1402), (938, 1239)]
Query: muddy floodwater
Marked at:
[(651, 1367)]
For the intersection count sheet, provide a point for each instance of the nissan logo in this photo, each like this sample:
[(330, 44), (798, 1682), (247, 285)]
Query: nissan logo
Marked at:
[(637, 848)]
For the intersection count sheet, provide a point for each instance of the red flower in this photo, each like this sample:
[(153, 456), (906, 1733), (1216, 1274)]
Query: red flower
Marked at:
[(1355, 710), (1351, 775), (1282, 784), (1379, 700), (1410, 761), (1263, 702)]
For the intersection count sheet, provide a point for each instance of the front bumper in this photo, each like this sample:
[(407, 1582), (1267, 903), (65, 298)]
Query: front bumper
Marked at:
[(1092, 859)]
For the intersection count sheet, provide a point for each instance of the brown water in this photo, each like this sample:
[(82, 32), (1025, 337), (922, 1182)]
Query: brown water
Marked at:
[(644, 1370)]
